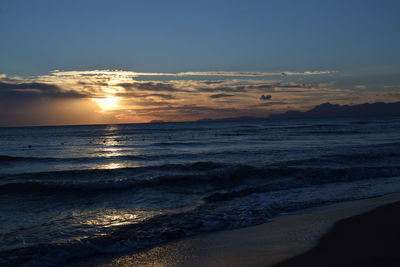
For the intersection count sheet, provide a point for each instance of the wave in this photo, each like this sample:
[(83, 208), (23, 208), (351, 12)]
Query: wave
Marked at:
[(375, 151), (312, 126), (309, 177), (359, 122), (376, 157), (11, 159), (200, 177), (135, 237), (108, 179), (380, 155), (337, 132), (5, 158), (179, 144), (205, 217)]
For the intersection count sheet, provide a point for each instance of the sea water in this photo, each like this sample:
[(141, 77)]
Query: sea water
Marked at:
[(74, 191)]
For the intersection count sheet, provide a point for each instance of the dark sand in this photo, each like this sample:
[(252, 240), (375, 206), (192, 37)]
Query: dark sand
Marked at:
[(365, 240), (369, 239)]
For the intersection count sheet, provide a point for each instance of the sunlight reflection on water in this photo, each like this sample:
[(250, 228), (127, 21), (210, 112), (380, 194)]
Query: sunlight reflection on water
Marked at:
[(111, 218), (113, 165)]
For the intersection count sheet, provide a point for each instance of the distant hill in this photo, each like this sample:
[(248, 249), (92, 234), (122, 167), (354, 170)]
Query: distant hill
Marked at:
[(328, 110), (325, 110)]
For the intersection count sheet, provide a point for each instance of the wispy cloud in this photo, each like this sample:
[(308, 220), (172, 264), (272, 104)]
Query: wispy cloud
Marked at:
[(220, 96), (360, 86), (151, 86), (120, 73), (251, 74)]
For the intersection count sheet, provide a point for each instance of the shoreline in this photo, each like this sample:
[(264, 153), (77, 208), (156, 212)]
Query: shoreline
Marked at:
[(285, 237)]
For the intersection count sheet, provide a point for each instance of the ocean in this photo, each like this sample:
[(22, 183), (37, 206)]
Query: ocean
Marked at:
[(69, 192)]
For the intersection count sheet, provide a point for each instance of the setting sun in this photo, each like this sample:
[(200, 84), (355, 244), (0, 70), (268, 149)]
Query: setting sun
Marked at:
[(107, 103)]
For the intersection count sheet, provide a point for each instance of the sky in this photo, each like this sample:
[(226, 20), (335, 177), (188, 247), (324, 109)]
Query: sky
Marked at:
[(88, 62)]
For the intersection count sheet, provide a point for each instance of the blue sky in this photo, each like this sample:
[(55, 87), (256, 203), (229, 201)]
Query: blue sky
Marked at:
[(172, 36), (358, 40)]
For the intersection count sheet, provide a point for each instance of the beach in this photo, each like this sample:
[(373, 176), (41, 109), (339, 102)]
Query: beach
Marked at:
[(286, 236)]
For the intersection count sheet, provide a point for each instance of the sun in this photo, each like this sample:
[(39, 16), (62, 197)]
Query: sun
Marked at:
[(107, 103)]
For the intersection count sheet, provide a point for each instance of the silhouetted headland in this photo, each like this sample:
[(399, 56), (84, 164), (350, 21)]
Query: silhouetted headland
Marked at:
[(328, 110)]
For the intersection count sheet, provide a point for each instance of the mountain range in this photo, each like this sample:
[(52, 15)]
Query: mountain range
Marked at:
[(328, 110)]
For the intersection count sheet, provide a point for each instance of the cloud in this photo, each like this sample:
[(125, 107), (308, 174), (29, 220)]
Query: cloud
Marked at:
[(21, 86), (141, 95), (146, 103), (227, 89), (192, 108), (120, 73), (263, 87), (265, 97), (220, 95), (96, 82), (172, 96), (151, 86), (213, 82), (395, 95), (360, 86), (268, 104), (163, 96), (35, 89), (26, 102), (391, 86), (188, 112), (246, 74)]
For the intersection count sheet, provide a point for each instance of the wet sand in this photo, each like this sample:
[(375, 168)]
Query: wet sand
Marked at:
[(284, 238)]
